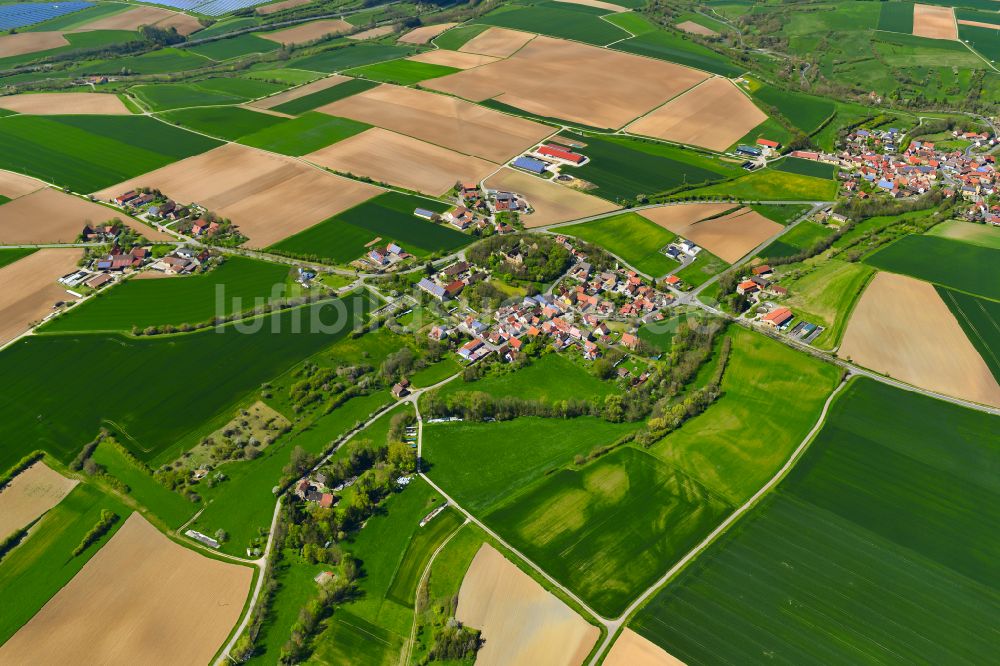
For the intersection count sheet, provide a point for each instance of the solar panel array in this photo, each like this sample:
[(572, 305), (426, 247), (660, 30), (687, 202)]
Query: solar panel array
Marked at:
[(210, 7), (28, 13)]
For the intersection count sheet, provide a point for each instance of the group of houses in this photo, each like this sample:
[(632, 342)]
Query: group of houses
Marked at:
[(181, 261), (313, 489), (450, 281), (383, 256), (550, 156)]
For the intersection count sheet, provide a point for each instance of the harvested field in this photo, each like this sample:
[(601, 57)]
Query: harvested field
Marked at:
[(14, 185), (696, 29), (631, 649), (141, 599), (28, 289), (133, 18), (308, 32), (714, 115), (301, 91), (599, 4), (552, 203), (402, 161), (53, 104), (50, 216), (521, 622), (498, 42), (978, 24), (684, 216), (268, 196), (30, 42), (32, 492), (442, 120), (902, 328), (728, 237), (278, 6), (374, 33), (577, 82), (934, 22), (455, 59), (425, 33)]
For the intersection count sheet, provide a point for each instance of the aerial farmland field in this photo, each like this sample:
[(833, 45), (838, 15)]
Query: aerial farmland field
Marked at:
[(632, 237), (942, 261)]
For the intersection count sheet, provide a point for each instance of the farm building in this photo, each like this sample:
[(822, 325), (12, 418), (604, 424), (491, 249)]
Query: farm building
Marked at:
[(778, 317), (435, 290), (561, 154), (529, 164)]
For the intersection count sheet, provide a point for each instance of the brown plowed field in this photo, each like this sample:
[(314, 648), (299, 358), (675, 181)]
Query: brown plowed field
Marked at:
[(14, 185), (142, 599), (597, 3), (51, 216), (131, 19), (682, 216), (714, 115), (631, 649), (28, 290), (374, 33), (278, 6), (270, 197), (308, 32), (980, 24), (521, 622), (442, 120), (65, 104), (184, 23), (696, 29), (576, 82), (32, 492), (301, 91), (902, 328), (455, 59), (425, 33), (30, 42), (552, 203), (935, 22), (402, 161), (729, 237), (498, 42)]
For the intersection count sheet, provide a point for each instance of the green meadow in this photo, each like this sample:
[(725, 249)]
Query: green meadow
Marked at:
[(325, 96), (633, 238), (177, 300), (781, 213), (968, 232), (804, 111), (235, 47), (673, 47), (800, 237), (826, 295), (298, 136), (87, 153), (704, 268), (949, 263), (225, 122), (353, 55), (895, 503), (458, 36), (207, 92), (424, 541), (806, 167), (772, 185), (557, 19), (980, 318), (9, 255), (401, 72)]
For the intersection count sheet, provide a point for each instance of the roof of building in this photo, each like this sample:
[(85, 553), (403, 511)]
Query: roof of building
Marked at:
[(529, 164)]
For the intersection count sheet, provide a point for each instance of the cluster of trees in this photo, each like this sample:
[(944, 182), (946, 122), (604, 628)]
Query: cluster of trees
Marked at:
[(542, 259), (104, 523), (21, 465), (455, 642), (245, 646), (161, 36), (482, 406), (338, 589)]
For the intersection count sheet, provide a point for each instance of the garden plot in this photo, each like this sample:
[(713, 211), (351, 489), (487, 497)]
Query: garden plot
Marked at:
[(31, 493), (30, 42), (425, 33), (301, 91), (576, 82), (132, 19), (28, 288), (53, 104), (714, 115), (50, 216), (141, 599), (729, 237), (631, 649), (521, 622), (498, 42), (442, 120), (268, 196), (308, 32), (552, 203), (455, 59), (934, 22), (402, 161), (902, 328)]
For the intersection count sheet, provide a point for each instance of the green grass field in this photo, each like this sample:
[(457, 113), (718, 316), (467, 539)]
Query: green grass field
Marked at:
[(896, 17), (771, 397), (985, 40), (877, 548), (310, 131), (519, 452), (609, 530), (235, 47), (38, 568), (177, 300), (557, 20), (660, 334), (942, 261), (673, 47), (208, 92), (343, 237), (827, 295), (225, 122), (326, 96), (457, 37), (163, 503), (980, 318), (88, 41), (706, 266), (623, 168), (48, 374), (806, 167), (401, 72), (781, 213), (435, 373), (353, 55), (290, 77), (87, 153), (163, 61), (9, 255), (423, 543), (801, 237), (977, 234), (804, 111), (633, 238), (773, 185)]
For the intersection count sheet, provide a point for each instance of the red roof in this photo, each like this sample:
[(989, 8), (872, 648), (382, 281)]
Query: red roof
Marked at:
[(779, 316), (768, 143), (673, 279), (559, 153)]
